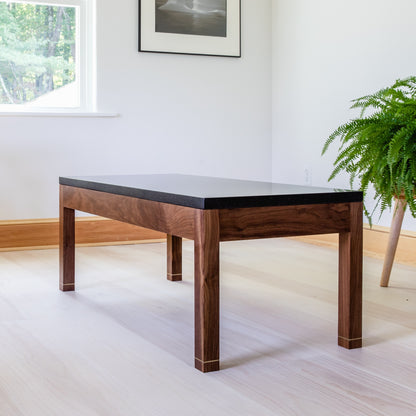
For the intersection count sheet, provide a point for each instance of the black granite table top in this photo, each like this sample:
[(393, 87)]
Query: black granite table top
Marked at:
[(204, 192)]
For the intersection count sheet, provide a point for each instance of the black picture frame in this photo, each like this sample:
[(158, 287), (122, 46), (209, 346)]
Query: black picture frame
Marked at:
[(175, 27)]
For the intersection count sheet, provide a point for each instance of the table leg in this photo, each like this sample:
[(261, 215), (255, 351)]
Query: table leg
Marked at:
[(174, 255), (66, 248), (350, 281), (207, 312)]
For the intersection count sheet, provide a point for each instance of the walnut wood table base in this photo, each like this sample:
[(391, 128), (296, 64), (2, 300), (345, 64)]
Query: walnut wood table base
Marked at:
[(207, 227)]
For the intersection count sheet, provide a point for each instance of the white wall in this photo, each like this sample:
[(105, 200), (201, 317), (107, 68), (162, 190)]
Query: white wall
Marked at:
[(214, 116), (326, 53), (186, 114)]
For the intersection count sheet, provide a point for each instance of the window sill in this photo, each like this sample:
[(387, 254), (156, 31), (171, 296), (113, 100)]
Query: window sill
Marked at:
[(84, 114)]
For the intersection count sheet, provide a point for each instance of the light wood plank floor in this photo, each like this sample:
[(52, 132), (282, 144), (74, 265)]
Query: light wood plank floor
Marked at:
[(122, 344)]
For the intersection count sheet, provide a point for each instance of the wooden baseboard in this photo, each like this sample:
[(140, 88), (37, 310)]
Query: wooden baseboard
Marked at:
[(375, 243), (94, 231), (39, 234)]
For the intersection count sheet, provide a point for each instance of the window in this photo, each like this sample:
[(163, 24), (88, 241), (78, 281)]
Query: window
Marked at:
[(46, 55)]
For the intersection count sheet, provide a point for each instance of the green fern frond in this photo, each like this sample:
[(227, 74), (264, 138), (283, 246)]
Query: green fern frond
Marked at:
[(380, 148)]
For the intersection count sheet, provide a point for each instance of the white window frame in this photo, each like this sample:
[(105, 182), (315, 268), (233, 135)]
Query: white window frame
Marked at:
[(85, 61)]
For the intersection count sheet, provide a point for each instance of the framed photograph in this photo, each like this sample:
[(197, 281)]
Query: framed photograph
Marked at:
[(196, 27)]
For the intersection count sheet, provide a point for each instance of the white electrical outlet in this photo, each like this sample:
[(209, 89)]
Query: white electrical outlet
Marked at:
[(308, 176)]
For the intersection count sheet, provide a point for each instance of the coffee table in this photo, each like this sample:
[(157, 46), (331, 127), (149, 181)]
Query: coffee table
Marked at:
[(209, 210)]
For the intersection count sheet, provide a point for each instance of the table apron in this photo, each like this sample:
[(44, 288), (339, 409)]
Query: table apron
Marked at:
[(234, 224), (283, 221), (158, 216)]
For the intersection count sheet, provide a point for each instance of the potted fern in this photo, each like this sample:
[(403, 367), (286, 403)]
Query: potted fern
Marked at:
[(379, 148)]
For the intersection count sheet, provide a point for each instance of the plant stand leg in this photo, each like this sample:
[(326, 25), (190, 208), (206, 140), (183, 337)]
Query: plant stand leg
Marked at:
[(396, 225)]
